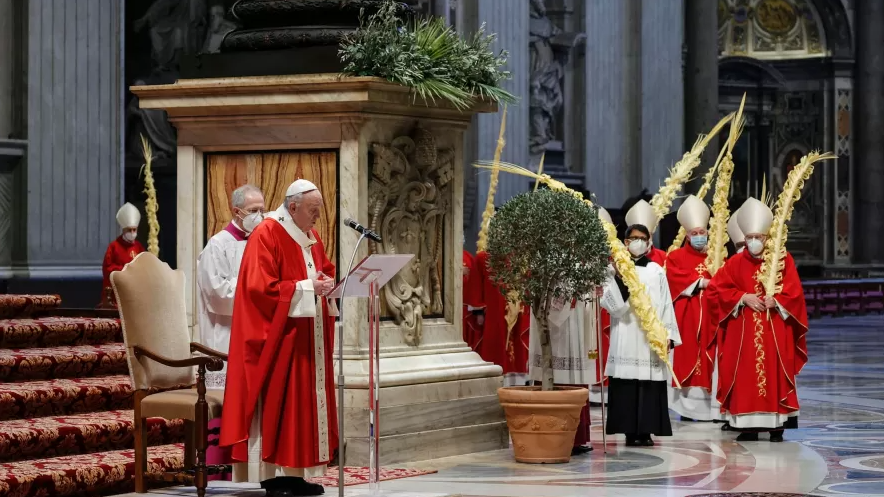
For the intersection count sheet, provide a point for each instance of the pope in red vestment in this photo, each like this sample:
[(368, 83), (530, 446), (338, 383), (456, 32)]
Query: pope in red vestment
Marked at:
[(279, 404), (121, 251), (473, 309), (763, 342), (505, 333), (688, 278)]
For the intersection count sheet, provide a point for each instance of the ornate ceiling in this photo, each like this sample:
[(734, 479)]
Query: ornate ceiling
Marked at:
[(770, 29)]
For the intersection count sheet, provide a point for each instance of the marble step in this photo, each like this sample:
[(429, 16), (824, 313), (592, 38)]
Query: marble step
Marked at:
[(58, 331), (59, 397), (62, 362), (57, 436)]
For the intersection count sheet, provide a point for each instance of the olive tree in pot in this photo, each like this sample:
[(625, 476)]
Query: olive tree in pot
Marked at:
[(543, 246)]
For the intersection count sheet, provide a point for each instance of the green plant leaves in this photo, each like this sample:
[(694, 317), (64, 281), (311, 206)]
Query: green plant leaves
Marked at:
[(546, 244), (426, 55)]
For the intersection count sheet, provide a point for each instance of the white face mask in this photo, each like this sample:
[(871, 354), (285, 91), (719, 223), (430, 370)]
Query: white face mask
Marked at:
[(638, 248), (129, 236), (755, 246), (250, 222)]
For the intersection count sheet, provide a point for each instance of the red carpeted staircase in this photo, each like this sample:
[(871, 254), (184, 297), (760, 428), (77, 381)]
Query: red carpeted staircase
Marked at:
[(65, 404)]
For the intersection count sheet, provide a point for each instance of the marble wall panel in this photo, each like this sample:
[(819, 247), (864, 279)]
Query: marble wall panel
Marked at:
[(74, 163)]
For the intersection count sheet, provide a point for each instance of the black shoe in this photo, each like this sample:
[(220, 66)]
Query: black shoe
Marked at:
[(633, 441), (747, 437), (648, 442), (580, 450), (776, 436), (286, 486), (726, 426), (689, 420)]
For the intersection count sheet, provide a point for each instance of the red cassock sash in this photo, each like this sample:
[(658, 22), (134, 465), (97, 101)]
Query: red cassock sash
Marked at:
[(760, 353), (512, 354), (272, 356), (692, 361)]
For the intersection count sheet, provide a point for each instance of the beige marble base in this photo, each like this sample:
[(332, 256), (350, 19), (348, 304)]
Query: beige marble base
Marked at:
[(426, 421)]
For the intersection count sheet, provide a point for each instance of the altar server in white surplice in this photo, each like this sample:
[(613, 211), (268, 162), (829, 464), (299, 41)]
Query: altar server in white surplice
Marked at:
[(638, 403), (217, 270), (572, 331)]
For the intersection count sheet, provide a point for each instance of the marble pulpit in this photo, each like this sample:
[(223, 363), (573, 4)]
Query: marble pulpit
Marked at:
[(392, 162)]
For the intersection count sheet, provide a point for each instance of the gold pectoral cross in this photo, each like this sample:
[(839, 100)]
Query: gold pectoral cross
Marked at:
[(701, 269)]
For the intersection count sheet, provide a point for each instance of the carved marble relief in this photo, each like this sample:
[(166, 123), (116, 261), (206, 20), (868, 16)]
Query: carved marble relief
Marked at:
[(408, 198), (547, 94)]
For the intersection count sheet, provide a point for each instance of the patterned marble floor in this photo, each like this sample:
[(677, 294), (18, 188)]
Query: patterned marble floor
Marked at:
[(838, 450)]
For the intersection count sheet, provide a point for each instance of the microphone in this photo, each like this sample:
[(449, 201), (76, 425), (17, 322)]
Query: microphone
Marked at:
[(352, 223)]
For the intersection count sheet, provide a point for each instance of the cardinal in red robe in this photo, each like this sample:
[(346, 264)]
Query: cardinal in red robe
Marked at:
[(120, 252), (505, 333), (763, 343), (279, 406), (473, 308), (688, 279)]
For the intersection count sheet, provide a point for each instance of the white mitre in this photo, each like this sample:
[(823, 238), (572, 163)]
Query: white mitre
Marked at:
[(604, 215), (642, 213), (300, 186), (693, 213), (754, 217), (128, 216), (733, 228)]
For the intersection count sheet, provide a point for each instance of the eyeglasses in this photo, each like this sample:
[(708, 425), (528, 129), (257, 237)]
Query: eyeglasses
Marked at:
[(634, 238)]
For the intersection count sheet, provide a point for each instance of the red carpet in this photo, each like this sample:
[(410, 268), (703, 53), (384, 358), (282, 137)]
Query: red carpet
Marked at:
[(357, 476), (27, 305)]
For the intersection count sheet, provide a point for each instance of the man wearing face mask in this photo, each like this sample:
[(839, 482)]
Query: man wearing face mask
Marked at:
[(121, 251), (279, 401), (688, 279), (217, 269), (643, 214), (763, 346), (638, 403)]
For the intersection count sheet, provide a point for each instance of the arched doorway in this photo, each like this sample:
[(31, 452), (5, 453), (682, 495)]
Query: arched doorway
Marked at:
[(778, 53)]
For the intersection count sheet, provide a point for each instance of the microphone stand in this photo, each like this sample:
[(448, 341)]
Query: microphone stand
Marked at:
[(341, 370)]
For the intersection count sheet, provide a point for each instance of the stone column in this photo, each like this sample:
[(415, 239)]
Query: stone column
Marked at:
[(510, 21), (700, 78), (869, 119), (613, 100), (662, 90), (7, 57), (74, 130)]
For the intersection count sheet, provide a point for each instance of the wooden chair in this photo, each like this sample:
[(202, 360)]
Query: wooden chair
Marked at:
[(163, 367)]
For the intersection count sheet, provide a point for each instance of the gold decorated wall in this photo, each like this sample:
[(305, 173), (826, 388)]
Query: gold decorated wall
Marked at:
[(272, 173)]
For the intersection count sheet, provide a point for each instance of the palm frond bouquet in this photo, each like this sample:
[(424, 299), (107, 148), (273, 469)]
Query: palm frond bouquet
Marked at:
[(427, 56)]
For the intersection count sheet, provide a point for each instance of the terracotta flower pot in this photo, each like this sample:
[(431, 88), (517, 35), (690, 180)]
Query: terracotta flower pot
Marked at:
[(542, 424)]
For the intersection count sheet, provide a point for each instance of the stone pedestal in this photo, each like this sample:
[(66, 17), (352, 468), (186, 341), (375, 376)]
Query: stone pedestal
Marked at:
[(438, 398)]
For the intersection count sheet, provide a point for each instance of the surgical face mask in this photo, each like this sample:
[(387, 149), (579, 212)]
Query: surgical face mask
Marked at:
[(699, 241), (638, 248), (129, 236), (755, 246), (250, 222)]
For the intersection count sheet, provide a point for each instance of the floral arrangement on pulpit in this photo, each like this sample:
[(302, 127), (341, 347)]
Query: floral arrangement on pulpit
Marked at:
[(546, 248), (427, 56)]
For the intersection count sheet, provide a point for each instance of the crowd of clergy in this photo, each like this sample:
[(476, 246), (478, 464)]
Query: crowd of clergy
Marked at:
[(262, 286), (735, 353)]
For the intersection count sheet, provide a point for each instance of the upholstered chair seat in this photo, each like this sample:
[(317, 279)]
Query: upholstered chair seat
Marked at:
[(181, 404)]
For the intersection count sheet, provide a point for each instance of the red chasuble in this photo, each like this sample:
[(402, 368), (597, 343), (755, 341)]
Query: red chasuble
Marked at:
[(759, 355), (276, 358), (506, 348), (472, 330), (692, 361), (657, 255), (119, 253)]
